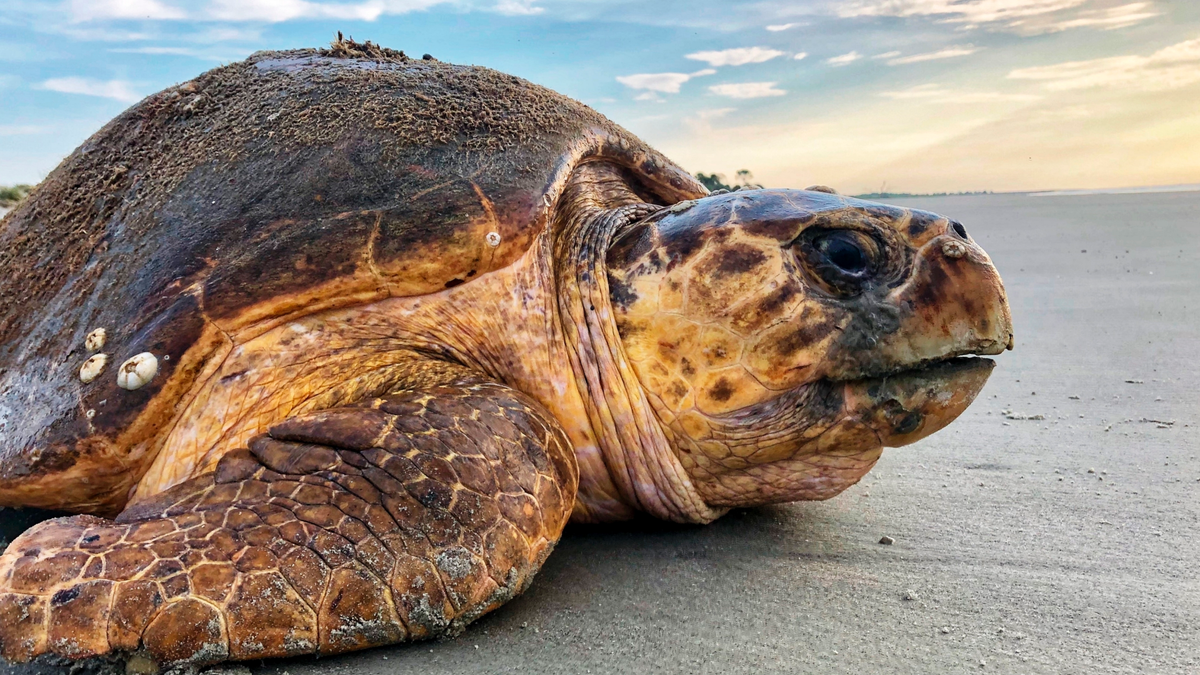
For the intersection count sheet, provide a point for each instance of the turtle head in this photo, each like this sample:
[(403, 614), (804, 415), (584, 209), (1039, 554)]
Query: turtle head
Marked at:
[(784, 337)]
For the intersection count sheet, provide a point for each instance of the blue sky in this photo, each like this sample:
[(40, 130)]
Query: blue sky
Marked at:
[(914, 95)]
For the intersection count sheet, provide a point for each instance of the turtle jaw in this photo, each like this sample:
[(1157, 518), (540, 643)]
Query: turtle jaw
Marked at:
[(907, 405)]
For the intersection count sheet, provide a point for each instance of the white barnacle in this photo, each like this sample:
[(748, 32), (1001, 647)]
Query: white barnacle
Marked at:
[(92, 368), (137, 371), (493, 239), (95, 340), (90, 413), (954, 249)]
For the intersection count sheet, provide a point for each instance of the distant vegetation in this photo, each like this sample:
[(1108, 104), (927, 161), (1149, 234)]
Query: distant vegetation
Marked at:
[(11, 196), (743, 179), (901, 195)]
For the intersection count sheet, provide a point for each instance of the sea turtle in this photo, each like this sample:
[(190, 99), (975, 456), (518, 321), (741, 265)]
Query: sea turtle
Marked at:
[(341, 340)]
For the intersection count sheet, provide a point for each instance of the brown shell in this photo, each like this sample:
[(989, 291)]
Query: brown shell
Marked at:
[(261, 191)]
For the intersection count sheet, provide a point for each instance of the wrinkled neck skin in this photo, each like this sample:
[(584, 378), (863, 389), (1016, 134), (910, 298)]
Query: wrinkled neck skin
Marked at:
[(631, 459)]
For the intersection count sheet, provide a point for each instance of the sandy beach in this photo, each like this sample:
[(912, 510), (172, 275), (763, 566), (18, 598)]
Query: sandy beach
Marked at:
[(1051, 529)]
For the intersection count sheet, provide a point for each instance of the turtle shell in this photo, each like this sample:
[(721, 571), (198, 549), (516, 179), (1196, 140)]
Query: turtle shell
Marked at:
[(259, 192)]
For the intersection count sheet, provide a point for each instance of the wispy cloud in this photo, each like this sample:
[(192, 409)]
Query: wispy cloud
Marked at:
[(119, 90), (665, 83), (784, 26), (844, 59), (271, 11), (275, 11), (1108, 19), (959, 11), (668, 83), (89, 10), (886, 55), (23, 129), (701, 121), (1023, 16), (739, 56), (1169, 68), (167, 51), (947, 53), (518, 7), (101, 32), (935, 93), (747, 90), (214, 34), (801, 56)]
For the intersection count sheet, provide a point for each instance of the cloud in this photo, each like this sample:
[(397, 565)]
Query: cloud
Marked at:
[(957, 11), (934, 93), (275, 11), (666, 83), (887, 55), (171, 51), (747, 90), (844, 59), (947, 53), (119, 90), (1172, 67), (701, 121), (104, 33), (22, 129), (216, 34), (801, 56), (784, 26), (517, 7), (90, 10), (736, 57), (204, 55), (1107, 19), (1023, 16), (271, 11)]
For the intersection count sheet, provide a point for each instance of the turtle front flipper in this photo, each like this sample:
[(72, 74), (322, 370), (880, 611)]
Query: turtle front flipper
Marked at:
[(401, 518)]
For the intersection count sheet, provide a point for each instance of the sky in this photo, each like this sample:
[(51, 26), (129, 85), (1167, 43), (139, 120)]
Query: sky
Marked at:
[(861, 95)]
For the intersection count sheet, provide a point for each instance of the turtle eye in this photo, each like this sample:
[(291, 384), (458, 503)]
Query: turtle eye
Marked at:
[(843, 260), (842, 253)]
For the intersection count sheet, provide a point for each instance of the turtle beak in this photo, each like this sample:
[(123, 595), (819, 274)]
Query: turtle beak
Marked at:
[(952, 304)]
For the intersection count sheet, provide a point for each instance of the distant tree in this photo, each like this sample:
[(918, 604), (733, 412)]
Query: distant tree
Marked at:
[(11, 196), (713, 181), (744, 177), (744, 180)]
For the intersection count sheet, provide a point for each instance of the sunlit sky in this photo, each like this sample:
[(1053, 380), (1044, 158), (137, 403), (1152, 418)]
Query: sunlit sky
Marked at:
[(862, 95)]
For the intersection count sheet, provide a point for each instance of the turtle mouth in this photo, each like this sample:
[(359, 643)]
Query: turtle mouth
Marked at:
[(938, 368), (910, 403)]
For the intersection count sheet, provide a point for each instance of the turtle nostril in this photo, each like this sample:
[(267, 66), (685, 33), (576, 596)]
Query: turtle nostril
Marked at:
[(959, 229)]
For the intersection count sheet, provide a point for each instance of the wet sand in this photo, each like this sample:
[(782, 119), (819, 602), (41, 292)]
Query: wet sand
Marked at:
[(1009, 556)]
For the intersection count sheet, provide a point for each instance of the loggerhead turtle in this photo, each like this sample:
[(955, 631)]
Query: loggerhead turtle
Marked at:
[(341, 340)]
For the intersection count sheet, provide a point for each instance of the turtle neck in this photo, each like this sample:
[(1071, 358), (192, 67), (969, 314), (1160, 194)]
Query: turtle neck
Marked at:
[(643, 467)]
